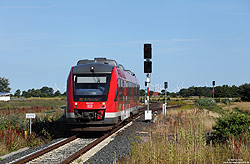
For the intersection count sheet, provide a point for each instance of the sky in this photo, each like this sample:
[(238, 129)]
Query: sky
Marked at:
[(194, 42)]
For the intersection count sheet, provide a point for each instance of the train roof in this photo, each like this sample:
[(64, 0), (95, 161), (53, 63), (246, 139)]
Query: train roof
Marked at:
[(79, 68), (97, 67), (98, 60)]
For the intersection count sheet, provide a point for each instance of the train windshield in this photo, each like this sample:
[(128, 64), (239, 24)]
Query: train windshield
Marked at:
[(91, 87)]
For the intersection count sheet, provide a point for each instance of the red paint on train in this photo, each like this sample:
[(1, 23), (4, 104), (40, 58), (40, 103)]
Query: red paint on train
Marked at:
[(88, 105)]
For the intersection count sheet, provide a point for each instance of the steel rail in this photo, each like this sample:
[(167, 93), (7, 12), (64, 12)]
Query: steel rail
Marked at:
[(44, 151), (89, 146), (97, 141)]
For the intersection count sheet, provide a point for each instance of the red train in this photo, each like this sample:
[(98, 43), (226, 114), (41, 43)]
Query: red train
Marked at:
[(100, 93)]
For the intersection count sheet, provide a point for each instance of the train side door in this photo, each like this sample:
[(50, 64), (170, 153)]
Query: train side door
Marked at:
[(124, 111)]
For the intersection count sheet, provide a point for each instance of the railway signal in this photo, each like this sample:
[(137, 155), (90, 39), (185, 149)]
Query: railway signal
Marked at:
[(165, 85), (147, 67), (165, 104), (213, 88), (147, 51), (148, 70)]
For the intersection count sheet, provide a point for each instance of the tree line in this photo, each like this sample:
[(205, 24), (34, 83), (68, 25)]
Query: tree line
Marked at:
[(242, 91), (43, 92)]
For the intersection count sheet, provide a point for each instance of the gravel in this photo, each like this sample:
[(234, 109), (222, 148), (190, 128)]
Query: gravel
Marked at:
[(29, 151), (121, 145), (63, 152)]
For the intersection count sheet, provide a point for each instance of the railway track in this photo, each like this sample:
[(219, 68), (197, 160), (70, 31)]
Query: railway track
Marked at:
[(93, 144), (44, 151), (70, 149)]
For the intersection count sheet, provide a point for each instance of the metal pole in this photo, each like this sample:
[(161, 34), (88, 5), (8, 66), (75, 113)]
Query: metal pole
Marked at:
[(165, 96), (147, 92), (213, 91), (30, 125)]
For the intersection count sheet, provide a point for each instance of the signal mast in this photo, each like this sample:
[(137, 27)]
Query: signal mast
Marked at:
[(148, 71)]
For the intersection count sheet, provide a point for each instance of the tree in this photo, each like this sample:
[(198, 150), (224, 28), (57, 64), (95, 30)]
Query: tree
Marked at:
[(151, 93), (17, 93), (244, 91), (36, 93), (57, 93), (185, 93), (26, 94), (142, 92), (47, 92), (163, 92), (4, 85), (64, 94)]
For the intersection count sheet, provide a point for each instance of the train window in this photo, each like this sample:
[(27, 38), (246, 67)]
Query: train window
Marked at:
[(92, 87), (129, 90), (116, 94), (120, 96)]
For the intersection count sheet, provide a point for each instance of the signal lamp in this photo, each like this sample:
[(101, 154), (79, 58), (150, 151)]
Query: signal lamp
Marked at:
[(147, 51), (166, 85), (147, 67)]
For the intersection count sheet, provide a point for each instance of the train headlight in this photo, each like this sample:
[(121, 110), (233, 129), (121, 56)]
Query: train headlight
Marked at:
[(92, 69), (103, 105)]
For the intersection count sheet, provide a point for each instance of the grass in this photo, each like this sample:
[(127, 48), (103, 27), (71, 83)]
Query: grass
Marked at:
[(243, 106), (47, 125), (31, 102), (182, 137)]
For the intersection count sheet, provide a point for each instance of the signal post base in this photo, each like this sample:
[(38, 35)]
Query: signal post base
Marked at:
[(148, 115)]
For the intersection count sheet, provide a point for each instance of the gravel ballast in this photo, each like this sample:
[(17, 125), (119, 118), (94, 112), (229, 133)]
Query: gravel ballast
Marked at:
[(29, 151), (121, 145)]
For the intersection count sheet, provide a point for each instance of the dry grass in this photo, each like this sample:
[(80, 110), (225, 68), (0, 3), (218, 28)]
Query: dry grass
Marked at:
[(243, 106), (3, 149), (181, 138)]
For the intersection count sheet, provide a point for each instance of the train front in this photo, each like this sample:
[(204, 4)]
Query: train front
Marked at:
[(88, 89)]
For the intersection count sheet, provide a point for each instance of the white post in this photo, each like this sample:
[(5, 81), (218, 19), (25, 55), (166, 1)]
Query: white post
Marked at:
[(148, 113), (30, 116), (164, 109), (148, 92), (165, 104), (30, 125)]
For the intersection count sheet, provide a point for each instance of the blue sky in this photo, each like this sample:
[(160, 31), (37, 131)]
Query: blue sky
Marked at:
[(194, 42)]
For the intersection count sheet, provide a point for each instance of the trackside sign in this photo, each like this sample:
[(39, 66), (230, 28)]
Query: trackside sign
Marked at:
[(30, 115)]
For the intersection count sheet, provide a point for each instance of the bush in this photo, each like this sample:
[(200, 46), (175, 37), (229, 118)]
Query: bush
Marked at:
[(217, 100), (231, 123), (205, 103)]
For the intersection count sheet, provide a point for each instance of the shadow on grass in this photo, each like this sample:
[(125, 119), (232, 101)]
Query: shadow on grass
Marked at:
[(52, 129)]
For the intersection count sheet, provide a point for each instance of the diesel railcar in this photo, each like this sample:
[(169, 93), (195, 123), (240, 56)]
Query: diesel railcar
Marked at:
[(100, 93)]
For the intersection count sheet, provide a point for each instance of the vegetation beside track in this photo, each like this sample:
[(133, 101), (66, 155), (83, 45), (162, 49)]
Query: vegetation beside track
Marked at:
[(198, 132), (47, 125)]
